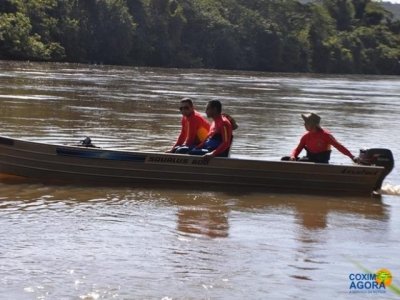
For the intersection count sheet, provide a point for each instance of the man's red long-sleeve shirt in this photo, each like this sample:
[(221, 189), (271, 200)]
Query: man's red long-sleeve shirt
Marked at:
[(194, 130), (319, 141)]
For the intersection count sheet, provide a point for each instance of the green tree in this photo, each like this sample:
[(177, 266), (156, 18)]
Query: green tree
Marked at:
[(209, 38), (322, 26), (343, 36), (25, 31), (165, 23), (374, 14), (342, 11), (106, 31)]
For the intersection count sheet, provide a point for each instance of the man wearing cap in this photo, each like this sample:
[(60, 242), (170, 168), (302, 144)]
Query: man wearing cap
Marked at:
[(317, 142), (194, 129)]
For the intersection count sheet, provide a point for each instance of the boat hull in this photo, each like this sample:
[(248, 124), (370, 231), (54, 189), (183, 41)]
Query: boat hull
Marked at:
[(79, 165)]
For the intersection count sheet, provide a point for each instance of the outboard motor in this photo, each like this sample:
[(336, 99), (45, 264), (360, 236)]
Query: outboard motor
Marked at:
[(377, 157)]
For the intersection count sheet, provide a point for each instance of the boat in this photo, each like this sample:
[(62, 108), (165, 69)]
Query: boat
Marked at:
[(74, 164)]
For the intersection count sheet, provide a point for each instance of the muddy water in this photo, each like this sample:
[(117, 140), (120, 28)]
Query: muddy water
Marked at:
[(71, 242)]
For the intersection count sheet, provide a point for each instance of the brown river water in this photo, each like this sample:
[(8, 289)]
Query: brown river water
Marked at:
[(79, 242)]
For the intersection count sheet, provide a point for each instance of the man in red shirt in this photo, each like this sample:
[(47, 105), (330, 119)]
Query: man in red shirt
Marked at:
[(194, 128), (219, 137), (317, 142)]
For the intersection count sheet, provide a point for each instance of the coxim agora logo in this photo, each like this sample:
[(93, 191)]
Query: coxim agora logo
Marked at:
[(370, 283)]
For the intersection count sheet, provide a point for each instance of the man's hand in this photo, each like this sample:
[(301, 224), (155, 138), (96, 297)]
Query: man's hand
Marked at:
[(292, 158), (208, 156)]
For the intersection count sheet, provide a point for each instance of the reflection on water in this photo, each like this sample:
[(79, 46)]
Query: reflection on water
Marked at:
[(210, 221), (66, 242), (80, 241)]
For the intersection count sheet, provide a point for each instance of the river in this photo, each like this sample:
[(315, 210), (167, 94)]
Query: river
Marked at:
[(77, 242)]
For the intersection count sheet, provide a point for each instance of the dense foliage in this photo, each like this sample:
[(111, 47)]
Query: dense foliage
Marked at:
[(333, 36)]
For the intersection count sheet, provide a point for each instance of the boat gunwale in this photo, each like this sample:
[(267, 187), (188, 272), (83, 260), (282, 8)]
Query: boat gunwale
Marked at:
[(147, 153)]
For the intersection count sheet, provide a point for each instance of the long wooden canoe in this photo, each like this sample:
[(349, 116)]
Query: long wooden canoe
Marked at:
[(81, 165)]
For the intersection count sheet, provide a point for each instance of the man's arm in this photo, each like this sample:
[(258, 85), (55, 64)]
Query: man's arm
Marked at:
[(191, 132), (339, 146), (182, 135), (226, 133), (296, 151)]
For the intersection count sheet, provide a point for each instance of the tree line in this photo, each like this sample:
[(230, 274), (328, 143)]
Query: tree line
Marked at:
[(325, 36)]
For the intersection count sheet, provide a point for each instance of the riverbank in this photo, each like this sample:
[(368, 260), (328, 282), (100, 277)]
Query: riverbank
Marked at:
[(272, 36)]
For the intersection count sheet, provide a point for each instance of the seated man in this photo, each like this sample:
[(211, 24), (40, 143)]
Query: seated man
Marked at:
[(194, 128), (219, 137), (317, 142)]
